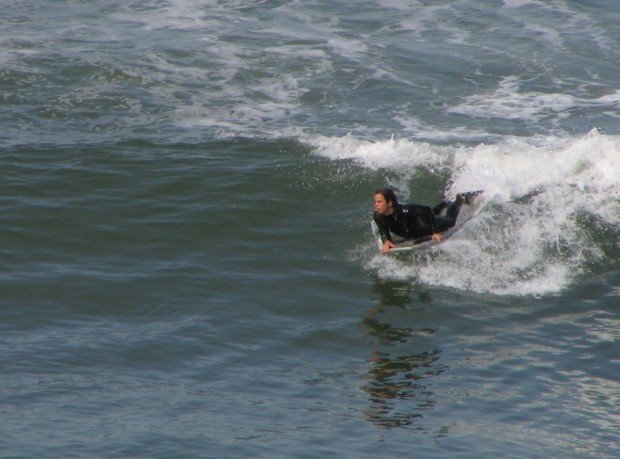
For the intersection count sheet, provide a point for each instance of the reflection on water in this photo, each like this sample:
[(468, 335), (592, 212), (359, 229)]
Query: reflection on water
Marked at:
[(392, 293), (402, 363)]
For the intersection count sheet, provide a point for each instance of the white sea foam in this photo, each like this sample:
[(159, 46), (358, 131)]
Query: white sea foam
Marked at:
[(243, 89), (569, 20), (530, 234), (255, 63), (420, 129), (394, 154), (519, 3), (508, 101), (176, 14)]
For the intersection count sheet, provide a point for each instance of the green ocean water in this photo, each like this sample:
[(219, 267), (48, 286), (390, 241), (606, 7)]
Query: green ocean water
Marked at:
[(188, 264)]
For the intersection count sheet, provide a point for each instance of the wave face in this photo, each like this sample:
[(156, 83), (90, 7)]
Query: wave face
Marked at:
[(549, 215)]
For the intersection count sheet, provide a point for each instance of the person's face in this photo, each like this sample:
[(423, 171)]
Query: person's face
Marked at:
[(382, 207)]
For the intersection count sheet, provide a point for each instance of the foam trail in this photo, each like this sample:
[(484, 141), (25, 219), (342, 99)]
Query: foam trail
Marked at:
[(550, 210), (395, 155)]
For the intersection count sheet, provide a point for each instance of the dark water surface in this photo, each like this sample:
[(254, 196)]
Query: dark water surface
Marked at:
[(188, 268)]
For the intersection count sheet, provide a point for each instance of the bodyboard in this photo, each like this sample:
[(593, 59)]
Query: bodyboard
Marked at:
[(407, 245)]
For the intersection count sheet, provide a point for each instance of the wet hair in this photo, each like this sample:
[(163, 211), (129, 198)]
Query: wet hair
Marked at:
[(389, 195)]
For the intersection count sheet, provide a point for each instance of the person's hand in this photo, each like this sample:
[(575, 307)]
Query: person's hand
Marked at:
[(387, 245), (437, 237)]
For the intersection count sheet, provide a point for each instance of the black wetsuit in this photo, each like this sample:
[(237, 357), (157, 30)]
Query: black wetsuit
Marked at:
[(413, 221)]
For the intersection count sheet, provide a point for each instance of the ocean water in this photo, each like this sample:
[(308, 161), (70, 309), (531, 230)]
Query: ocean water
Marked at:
[(188, 267)]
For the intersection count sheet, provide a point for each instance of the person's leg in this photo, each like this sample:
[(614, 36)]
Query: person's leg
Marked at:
[(454, 209), (468, 197), (441, 206), (445, 222)]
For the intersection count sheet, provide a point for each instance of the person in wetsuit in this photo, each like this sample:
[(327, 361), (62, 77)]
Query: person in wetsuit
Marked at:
[(412, 221)]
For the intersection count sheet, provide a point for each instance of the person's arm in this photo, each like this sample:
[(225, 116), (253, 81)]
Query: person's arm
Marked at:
[(384, 232), (387, 246)]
